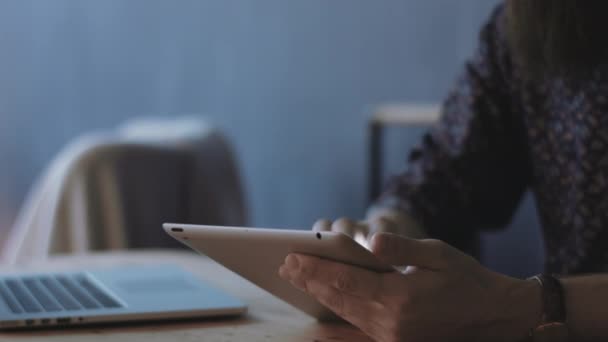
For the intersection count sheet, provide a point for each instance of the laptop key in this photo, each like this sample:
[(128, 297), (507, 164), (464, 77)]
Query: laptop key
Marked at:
[(39, 292), (10, 299), (25, 298), (97, 293), (60, 294), (78, 293)]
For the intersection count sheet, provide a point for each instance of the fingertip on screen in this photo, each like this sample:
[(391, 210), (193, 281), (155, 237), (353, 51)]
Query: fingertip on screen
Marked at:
[(362, 240)]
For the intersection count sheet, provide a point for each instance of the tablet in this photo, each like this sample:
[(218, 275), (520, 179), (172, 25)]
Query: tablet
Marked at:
[(256, 254)]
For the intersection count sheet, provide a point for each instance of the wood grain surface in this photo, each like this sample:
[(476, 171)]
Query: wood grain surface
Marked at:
[(267, 320)]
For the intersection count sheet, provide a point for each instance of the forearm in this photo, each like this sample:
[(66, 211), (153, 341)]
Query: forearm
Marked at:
[(586, 299)]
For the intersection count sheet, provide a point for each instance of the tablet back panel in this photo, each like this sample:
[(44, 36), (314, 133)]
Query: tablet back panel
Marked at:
[(256, 254)]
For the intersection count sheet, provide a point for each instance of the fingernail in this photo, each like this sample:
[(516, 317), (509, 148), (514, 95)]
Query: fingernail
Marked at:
[(292, 262), (298, 284)]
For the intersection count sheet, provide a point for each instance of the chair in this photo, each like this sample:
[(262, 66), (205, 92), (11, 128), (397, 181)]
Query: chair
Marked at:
[(407, 116), (114, 190)]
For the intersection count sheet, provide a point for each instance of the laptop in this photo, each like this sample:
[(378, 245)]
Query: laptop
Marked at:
[(111, 295)]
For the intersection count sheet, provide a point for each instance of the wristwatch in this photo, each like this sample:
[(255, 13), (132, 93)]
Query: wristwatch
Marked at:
[(553, 321)]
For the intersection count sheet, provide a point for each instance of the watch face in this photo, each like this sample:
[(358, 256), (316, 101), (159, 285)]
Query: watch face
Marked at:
[(554, 332)]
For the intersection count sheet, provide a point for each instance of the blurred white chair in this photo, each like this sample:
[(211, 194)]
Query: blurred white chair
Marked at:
[(113, 191)]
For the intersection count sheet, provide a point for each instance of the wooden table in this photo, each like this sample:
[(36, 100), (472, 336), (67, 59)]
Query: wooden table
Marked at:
[(268, 319)]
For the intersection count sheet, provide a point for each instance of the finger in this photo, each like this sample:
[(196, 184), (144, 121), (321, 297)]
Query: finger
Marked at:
[(353, 309), (285, 274), (382, 225), (401, 251), (322, 225), (361, 234), (344, 225), (344, 278)]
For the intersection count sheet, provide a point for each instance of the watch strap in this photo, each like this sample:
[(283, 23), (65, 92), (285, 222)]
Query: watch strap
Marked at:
[(554, 308), (552, 326)]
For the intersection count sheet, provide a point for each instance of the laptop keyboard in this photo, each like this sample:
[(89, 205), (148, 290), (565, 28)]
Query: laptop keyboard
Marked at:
[(54, 293)]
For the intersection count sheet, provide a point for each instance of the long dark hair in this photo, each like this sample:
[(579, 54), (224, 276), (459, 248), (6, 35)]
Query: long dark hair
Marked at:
[(558, 37)]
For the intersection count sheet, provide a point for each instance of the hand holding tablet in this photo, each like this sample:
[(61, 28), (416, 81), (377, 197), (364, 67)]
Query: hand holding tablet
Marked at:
[(256, 254)]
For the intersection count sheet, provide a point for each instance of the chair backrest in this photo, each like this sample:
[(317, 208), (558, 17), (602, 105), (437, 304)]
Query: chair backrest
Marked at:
[(113, 191)]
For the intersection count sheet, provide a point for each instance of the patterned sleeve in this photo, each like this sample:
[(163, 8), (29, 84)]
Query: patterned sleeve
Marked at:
[(469, 171)]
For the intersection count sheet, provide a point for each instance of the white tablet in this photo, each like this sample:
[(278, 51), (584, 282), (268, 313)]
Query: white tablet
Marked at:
[(256, 254)]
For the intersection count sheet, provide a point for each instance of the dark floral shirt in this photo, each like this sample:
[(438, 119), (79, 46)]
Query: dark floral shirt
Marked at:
[(500, 136)]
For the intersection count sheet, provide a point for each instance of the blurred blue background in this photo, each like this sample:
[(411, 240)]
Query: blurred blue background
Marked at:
[(290, 82)]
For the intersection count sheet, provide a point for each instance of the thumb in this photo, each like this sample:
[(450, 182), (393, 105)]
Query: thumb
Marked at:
[(398, 250)]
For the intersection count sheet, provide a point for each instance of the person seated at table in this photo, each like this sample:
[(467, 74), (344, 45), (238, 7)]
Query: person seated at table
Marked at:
[(529, 112)]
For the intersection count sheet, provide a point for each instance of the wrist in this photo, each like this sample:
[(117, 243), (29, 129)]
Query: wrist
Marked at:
[(517, 312)]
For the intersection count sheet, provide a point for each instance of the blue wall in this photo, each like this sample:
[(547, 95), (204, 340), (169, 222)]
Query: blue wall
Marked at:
[(290, 82)]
